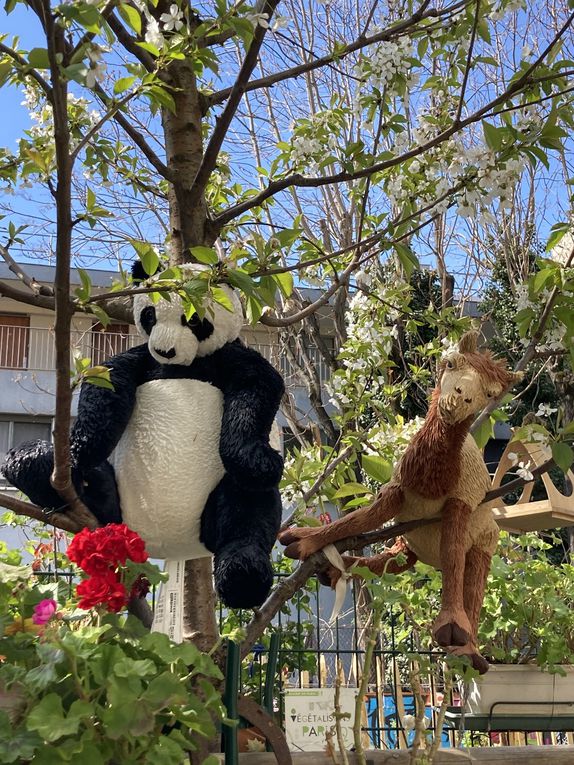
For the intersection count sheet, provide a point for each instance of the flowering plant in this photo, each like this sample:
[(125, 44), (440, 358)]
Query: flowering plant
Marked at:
[(81, 681)]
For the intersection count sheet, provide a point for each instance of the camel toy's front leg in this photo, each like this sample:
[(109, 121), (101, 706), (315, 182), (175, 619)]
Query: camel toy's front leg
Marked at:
[(303, 542), (452, 626), (394, 560)]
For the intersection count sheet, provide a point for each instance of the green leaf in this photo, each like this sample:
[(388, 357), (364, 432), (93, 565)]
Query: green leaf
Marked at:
[(131, 17), (407, 258), (241, 279), (220, 296), (102, 316), (254, 309), (492, 135), (164, 690), (148, 256), (284, 282), (541, 278), (351, 489), (121, 85), (160, 96), (149, 48), (563, 455), (484, 432), (90, 198), (48, 720), (38, 58), (205, 255), (557, 232), (377, 468)]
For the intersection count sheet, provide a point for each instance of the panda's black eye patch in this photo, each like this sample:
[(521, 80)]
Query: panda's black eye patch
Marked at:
[(201, 328), (148, 319)]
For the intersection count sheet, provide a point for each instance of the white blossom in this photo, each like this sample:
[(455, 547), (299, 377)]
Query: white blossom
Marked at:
[(523, 471), (97, 68), (280, 22), (544, 410), (258, 19), (173, 20), (512, 458), (153, 34), (409, 722)]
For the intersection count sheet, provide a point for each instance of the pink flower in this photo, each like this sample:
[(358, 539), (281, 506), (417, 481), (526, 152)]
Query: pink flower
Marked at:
[(44, 610)]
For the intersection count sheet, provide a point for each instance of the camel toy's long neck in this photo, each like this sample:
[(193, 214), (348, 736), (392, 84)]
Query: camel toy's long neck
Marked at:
[(431, 464)]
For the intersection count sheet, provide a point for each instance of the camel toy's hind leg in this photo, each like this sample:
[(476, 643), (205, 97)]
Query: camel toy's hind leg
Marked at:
[(303, 542), (452, 626), (476, 570)]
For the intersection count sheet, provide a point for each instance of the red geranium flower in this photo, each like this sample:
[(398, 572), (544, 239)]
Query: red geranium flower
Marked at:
[(102, 590)]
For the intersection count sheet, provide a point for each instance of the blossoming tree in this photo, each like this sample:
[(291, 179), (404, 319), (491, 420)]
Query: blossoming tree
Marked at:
[(287, 145)]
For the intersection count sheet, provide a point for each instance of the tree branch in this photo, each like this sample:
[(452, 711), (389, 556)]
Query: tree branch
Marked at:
[(29, 281), (130, 44), (468, 62), (361, 42), (21, 61), (235, 95), (305, 570), (315, 182), (28, 510), (135, 135)]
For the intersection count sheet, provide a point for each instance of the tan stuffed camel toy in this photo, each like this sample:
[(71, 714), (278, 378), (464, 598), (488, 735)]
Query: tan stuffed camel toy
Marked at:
[(441, 473)]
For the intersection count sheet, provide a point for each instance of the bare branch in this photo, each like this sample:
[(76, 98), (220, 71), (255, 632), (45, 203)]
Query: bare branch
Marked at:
[(468, 63), (42, 301), (28, 510), (235, 95), (135, 135), (299, 180), (361, 42), (29, 281)]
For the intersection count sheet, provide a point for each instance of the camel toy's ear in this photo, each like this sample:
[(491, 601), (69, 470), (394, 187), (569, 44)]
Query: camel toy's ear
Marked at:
[(468, 343)]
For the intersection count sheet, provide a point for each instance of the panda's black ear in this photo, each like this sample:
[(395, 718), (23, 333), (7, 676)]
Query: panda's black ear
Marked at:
[(139, 274)]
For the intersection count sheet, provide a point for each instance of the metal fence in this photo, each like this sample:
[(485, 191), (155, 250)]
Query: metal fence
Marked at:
[(312, 653)]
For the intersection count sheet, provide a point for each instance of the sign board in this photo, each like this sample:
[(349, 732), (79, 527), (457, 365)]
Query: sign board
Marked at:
[(168, 613), (309, 716)]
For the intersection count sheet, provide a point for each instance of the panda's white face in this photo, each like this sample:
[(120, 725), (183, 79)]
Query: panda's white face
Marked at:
[(172, 339)]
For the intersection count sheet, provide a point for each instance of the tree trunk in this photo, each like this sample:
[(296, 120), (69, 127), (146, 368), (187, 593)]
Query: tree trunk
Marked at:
[(188, 228)]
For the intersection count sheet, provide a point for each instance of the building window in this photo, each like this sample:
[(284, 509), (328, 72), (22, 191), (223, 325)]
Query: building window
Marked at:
[(109, 341), (14, 341)]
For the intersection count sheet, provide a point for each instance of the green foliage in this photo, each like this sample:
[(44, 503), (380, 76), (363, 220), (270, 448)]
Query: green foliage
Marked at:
[(101, 690)]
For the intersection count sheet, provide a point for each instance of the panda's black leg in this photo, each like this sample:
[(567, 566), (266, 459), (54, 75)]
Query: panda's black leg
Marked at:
[(30, 466), (240, 527)]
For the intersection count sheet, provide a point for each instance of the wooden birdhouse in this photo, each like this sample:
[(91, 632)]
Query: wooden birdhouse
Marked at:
[(555, 510)]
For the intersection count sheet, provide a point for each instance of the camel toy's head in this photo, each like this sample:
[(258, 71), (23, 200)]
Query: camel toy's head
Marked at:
[(469, 379)]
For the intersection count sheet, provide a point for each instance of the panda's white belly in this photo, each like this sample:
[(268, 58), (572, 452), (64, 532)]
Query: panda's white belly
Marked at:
[(167, 463)]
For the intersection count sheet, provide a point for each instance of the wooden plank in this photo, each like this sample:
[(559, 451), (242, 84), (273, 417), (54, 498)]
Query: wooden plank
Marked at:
[(532, 516), (507, 755)]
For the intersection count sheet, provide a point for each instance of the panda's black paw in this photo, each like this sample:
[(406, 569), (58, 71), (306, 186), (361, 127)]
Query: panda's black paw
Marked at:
[(256, 466), (243, 576)]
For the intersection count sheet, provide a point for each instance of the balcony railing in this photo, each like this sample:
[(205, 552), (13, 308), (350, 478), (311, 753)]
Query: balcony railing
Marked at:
[(31, 348)]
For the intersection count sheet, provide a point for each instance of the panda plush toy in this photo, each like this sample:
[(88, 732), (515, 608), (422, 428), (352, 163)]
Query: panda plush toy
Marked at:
[(179, 450)]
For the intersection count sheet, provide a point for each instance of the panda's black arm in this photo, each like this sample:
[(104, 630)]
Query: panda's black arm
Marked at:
[(252, 391), (104, 414)]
